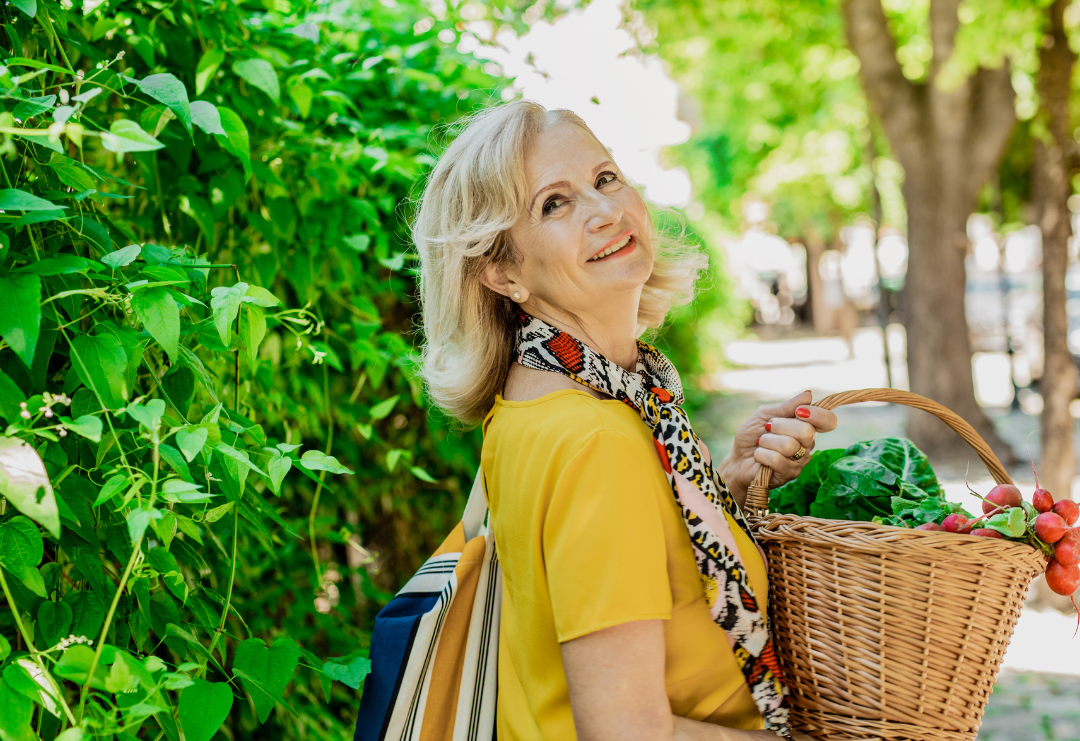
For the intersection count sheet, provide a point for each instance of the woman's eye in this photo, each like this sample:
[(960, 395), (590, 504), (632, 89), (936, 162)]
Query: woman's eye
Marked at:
[(605, 178), (552, 203)]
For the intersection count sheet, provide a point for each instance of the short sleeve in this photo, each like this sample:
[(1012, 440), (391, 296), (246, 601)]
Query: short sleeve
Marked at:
[(605, 554)]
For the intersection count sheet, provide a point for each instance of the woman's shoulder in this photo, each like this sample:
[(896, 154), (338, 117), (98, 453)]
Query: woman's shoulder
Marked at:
[(565, 411)]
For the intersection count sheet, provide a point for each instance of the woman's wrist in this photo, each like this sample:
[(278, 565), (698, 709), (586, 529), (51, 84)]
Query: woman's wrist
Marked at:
[(728, 472)]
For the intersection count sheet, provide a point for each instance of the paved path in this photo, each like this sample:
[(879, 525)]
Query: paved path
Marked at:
[(1037, 696)]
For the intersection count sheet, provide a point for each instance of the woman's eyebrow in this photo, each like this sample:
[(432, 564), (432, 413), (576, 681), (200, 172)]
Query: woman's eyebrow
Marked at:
[(566, 183)]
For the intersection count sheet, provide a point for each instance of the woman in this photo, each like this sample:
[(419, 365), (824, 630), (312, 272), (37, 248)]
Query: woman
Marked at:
[(540, 267)]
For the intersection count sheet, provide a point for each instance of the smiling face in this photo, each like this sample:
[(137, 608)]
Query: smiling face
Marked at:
[(583, 241)]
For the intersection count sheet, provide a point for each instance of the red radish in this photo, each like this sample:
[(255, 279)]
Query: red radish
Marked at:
[(1002, 495), (966, 528), (1064, 580), (1068, 510), (953, 523), (1067, 550), (1049, 527), (933, 526), (985, 532), (1042, 500)]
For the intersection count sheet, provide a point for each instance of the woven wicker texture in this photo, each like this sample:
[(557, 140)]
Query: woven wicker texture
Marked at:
[(890, 633)]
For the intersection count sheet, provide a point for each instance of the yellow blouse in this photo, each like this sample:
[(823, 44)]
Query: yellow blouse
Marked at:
[(589, 536)]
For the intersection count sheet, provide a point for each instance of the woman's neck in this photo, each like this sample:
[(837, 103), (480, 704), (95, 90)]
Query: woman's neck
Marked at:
[(613, 336)]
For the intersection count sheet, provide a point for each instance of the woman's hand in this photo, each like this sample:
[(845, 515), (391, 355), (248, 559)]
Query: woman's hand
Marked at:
[(771, 435)]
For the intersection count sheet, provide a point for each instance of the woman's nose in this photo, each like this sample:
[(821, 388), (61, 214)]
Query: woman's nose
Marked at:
[(605, 212)]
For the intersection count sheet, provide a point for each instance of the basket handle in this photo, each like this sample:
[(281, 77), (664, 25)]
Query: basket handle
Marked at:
[(757, 494)]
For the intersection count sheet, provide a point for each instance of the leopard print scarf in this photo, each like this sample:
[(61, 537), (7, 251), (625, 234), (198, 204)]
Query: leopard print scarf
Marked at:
[(654, 391)]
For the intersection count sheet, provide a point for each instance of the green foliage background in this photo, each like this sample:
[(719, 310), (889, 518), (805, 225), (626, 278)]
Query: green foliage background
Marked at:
[(244, 409)]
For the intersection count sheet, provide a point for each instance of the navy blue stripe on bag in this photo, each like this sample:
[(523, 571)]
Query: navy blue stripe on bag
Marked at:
[(391, 644)]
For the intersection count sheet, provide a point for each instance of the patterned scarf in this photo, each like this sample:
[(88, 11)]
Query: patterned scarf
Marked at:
[(655, 393)]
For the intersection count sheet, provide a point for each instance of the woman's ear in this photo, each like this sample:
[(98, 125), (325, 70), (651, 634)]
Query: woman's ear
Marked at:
[(495, 278)]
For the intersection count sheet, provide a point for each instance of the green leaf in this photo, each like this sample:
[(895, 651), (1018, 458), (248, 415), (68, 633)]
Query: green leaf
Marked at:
[(157, 310), (225, 303), (239, 456), (218, 512), (128, 136), (111, 488), (383, 408), (25, 677), (27, 6), (54, 620), (16, 709), (252, 331), (71, 173), (261, 74), (87, 425), (349, 670), (422, 475), (100, 362), (12, 199), (21, 546), (277, 468), (260, 297), (138, 519), (206, 68), (25, 483), (191, 441), (167, 89), (271, 667), (20, 321), (206, 117), (316, 460), (148, 414), (5, 648), (33, 107), (62, 264), (120, 678), (123, 256), (235, 140)]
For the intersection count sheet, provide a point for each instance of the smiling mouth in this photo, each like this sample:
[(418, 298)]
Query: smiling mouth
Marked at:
[(622, 243)]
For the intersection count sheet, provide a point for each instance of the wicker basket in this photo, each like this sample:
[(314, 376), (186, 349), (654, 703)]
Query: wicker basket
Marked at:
[(886, 632)]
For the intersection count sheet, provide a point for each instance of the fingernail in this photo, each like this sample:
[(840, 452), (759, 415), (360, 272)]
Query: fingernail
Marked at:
[(758, 441), (802, 413), (768, 427)]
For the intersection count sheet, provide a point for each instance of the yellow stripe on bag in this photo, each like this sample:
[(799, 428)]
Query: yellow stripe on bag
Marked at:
[(445, 683)]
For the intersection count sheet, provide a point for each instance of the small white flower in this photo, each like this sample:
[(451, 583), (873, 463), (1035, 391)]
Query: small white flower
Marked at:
[(62, 432), (22, 405), (25, 414)]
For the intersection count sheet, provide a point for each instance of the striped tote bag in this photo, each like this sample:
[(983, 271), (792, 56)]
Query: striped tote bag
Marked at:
[(435, 649)]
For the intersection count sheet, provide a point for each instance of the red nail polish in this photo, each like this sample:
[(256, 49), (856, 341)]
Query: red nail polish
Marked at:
[(758, 441), (768, 427), (802, 413)]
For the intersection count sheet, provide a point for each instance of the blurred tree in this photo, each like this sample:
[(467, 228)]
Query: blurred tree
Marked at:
[(1051, 190), (949, 132)]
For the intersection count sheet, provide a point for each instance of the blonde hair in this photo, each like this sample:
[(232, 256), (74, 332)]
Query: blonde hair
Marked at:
[(475, 193)]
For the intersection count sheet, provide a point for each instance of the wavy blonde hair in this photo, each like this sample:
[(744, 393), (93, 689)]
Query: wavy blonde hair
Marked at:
[(475, 193)]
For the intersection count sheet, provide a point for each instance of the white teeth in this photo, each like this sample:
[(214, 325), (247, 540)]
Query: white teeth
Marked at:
[(613, 248)]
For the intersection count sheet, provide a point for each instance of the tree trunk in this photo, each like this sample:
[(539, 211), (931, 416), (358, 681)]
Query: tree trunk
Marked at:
[(949, 142), (1050, 191)]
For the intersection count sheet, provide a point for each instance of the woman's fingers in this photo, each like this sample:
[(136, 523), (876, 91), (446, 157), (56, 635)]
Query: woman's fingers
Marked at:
[(820, 419), (784, 469), (792, 429)]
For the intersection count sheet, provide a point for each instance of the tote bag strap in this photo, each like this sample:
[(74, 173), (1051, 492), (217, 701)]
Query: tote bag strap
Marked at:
[(476, 508)]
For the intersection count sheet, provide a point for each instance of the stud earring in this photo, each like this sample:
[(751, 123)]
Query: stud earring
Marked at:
[(517, 296)]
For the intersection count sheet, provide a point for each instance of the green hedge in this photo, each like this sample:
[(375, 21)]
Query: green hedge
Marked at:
[(216, 462)]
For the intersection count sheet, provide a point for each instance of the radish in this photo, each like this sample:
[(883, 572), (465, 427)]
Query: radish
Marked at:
[(1068, 510), (1067, 550), (1064, 580), (1002, 495), (1042, 500), (985, 532), (1049, 527), (955, 522), (932, 526)]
